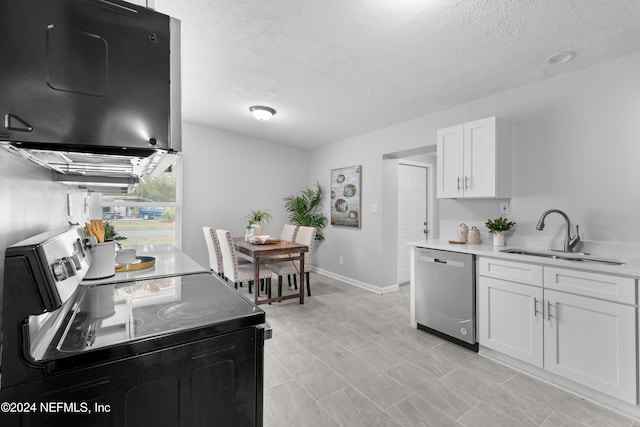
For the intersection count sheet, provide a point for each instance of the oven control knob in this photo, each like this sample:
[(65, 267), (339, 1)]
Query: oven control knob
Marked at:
[(63, 269), (76, 262), (59, 271)]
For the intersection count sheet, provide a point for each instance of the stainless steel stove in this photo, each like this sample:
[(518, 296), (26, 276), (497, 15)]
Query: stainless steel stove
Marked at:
[(59, 331)]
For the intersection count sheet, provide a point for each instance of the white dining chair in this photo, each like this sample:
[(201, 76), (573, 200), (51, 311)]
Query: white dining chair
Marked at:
[(239, 273), (289, 232), (305, 236), (213, 247)]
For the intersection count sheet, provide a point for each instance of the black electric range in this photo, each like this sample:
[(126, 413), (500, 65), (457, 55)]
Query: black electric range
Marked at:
[(103, 344)]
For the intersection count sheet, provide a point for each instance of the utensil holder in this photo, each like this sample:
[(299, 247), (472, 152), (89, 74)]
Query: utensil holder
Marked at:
[(103, 261)]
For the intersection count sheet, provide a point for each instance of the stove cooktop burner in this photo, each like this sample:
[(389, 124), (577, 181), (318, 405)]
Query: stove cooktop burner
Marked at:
[(187, 311), (197, 302)]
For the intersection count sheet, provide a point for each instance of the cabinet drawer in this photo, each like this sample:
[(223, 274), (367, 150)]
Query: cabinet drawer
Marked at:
[(604, 286), (520, 272)]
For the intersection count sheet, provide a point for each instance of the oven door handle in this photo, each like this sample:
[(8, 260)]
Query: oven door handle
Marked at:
[(267, 330)]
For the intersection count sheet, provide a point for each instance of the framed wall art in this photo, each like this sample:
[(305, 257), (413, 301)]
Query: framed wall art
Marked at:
[(346, 190)]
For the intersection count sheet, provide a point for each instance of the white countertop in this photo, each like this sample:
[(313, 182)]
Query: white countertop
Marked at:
[(170, 261), (630, 268)]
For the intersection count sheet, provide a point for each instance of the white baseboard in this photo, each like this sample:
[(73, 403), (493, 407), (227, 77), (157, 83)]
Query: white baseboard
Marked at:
[(363, 285)]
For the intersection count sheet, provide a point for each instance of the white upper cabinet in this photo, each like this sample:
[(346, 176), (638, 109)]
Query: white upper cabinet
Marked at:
[(449, 163), (474, 160)]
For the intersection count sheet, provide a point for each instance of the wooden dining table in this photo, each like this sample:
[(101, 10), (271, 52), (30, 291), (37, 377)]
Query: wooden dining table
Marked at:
[(281, 251)]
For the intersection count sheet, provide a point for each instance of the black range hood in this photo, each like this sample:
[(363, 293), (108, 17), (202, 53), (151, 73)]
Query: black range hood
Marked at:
[(90, 87)]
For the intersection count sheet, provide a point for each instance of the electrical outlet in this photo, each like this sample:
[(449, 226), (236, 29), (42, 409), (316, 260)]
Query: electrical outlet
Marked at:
[(341, 260), (504, 208)]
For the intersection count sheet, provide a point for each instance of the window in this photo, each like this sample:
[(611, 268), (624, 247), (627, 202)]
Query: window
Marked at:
[(147, 215)]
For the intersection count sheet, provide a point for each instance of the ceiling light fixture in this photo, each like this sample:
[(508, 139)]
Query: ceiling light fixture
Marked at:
[(560, 58), (261, 112)]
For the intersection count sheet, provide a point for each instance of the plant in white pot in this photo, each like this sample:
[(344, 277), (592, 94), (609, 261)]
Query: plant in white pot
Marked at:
[(497, 227), (257, 220), (110, 233)]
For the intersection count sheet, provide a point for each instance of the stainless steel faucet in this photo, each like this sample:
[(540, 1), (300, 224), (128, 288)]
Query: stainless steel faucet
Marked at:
[(569, 242)]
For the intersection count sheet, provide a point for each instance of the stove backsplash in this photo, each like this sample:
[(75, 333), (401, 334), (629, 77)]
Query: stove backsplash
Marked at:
[(30, 203)]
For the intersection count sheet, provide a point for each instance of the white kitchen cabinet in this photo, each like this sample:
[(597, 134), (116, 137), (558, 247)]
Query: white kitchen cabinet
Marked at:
[(449, 162), (591, 342), (510, 319), (578, 325), (474, 160), (527, 274), (589, 284)]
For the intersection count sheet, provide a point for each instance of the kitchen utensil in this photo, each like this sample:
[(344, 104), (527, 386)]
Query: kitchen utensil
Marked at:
[(97, 229)]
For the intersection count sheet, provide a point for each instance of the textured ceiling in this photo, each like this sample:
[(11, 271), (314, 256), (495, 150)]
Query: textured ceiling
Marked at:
[(340, 68)]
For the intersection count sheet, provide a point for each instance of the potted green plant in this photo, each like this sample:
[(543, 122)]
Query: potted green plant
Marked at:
[(304, 209), (497, 227), (258, 220), (110, 233)]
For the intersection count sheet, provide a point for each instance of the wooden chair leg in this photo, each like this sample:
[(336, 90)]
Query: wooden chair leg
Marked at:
[(262, 285), (295, 281), (268, 285), (306, 277), (289, 279), (280, 285), (249, 283)]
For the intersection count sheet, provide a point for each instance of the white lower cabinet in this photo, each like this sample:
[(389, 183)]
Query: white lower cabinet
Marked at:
[(511, 319), (590, 341)]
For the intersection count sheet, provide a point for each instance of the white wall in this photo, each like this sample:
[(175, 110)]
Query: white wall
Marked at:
[(575, 148), (226, 175), (30, 203)]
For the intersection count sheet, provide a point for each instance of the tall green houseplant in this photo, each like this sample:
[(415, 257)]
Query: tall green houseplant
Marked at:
[(304, 210)]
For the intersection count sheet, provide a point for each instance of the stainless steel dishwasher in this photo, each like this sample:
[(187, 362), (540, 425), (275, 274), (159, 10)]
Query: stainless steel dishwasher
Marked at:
[(445, 295)]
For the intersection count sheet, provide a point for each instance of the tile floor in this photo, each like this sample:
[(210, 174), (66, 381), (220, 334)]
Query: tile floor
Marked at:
[(347, 357)]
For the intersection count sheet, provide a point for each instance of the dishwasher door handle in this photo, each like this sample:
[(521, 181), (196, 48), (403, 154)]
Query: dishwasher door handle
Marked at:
[(447, 262)]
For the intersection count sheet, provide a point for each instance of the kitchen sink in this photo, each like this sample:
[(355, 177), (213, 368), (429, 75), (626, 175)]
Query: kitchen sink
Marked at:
[(567, 256)]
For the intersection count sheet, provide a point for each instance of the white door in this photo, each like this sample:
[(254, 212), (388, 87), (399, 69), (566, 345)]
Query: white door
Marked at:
[(591, 342), (412, 212), (510, 319)]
